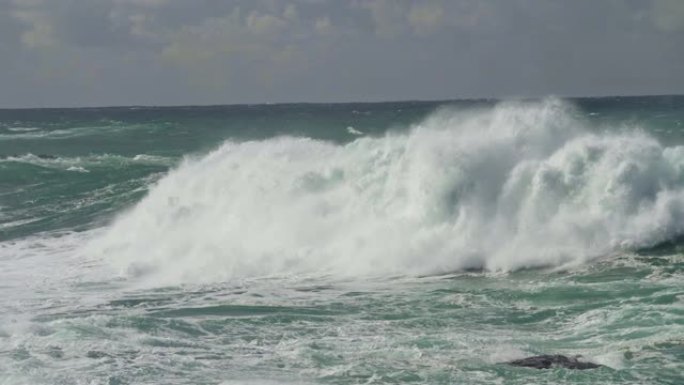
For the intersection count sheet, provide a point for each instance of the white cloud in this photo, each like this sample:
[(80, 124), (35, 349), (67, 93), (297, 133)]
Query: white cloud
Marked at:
[(265, 24), (291, 12), (668, 15), (323, 25), (389, 16), (144, 3), (425, 18), (40, 32), (392, 18)]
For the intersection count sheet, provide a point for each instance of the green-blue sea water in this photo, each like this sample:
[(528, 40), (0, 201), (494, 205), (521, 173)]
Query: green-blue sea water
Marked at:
[(412, 242)]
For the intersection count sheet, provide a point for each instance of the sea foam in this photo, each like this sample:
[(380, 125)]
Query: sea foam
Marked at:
[(517, 185)]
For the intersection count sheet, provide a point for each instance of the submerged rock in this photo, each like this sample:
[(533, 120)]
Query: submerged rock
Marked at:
[(547, 361)]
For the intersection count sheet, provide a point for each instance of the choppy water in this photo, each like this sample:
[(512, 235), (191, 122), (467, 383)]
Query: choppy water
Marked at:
[(343, 244)]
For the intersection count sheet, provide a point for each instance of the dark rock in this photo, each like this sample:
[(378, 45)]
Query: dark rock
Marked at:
[(547, 361)]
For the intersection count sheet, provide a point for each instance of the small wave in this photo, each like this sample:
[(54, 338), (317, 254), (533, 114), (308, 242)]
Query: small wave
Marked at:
[(354, 131), (42, 134), (81, 163), (152, 159), (31, 133), (20, 222), (77, 169), (514, 186), (22, 129)]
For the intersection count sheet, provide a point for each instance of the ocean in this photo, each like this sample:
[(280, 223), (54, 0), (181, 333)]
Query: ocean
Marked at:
[(363, 243)]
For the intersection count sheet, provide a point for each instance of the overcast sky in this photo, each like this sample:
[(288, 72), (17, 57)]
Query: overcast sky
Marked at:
[(170, 52)]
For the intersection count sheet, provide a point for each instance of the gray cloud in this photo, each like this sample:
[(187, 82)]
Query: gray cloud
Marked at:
[(122, 52)]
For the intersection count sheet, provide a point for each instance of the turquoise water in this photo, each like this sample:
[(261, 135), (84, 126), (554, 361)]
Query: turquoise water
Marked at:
[(417, 242)]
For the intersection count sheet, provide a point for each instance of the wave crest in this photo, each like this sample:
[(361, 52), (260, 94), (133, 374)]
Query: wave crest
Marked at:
[(513, 186)]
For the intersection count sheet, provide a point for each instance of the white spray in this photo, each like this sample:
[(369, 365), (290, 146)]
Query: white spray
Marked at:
[(513, 186)]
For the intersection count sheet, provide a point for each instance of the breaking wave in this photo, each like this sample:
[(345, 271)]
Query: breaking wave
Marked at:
[(521, 184)]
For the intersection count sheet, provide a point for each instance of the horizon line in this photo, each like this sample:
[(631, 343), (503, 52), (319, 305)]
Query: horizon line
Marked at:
[(427, 100)]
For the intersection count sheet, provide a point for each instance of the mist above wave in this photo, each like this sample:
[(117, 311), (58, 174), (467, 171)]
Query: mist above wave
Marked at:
[(513, 186)]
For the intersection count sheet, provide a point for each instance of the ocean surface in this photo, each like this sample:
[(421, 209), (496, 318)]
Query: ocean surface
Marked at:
[(386, 243)]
